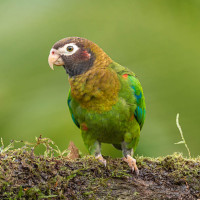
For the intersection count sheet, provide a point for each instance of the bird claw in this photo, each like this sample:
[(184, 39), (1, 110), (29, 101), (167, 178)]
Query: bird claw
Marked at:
[(131, 163), (101, 159)]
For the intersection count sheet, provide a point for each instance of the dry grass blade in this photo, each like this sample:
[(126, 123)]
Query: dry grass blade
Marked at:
[(181, 133)]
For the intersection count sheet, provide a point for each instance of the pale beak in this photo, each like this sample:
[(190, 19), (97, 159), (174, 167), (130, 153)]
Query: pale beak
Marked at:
[(54, 59)]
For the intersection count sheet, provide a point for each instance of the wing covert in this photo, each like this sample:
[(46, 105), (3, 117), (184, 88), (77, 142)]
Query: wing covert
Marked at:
[(70, 109), (140, 110)]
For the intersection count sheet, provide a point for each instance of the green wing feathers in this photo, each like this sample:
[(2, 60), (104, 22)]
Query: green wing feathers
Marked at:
[(140, 110), (137, 90), (70, 109)]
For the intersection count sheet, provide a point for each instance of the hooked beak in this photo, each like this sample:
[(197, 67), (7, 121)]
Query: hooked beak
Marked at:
[(54, 59)]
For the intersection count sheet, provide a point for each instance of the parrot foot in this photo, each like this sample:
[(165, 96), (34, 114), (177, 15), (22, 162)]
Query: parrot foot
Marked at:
[(131, 163), (101, 159)]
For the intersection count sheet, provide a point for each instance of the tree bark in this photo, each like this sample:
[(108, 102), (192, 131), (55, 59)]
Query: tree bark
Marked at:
[(24, 175)]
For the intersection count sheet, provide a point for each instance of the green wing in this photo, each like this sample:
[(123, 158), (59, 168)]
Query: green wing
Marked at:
[(140, 110), (134, 83), (70, 109)]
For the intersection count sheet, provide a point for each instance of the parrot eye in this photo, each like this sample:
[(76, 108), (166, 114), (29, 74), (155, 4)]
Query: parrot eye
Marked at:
[(70, 48)]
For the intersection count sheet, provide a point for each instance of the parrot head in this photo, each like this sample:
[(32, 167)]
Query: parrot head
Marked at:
[(77, 55)]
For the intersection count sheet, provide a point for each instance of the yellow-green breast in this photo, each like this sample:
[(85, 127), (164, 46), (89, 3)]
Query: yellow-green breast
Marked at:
[(97, 89)]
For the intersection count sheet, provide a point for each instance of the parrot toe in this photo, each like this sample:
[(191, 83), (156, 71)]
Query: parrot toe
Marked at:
[(131, 163), (101, 159)]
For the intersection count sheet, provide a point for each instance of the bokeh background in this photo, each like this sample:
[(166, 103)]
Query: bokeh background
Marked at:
[(158, 40)]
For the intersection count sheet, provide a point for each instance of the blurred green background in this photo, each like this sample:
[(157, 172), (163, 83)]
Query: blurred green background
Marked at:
[(158, 39)]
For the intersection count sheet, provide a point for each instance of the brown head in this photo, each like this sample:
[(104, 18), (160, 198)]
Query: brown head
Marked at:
[(77, 55)]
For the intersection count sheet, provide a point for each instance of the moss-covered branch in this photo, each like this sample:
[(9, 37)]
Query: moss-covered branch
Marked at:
[(23, 175)]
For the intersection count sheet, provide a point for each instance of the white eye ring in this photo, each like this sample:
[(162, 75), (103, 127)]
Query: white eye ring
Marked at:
[(63, 50)]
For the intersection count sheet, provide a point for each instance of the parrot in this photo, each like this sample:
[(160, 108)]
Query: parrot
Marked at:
[(105, 100)]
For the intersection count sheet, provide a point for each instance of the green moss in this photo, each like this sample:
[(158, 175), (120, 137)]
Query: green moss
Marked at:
[(24, 175)]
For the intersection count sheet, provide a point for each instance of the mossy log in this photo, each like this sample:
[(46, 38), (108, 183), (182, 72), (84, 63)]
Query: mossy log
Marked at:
[(24, 175)]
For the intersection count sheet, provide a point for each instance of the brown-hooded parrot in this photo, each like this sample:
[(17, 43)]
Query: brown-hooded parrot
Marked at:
[(106, 100)]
